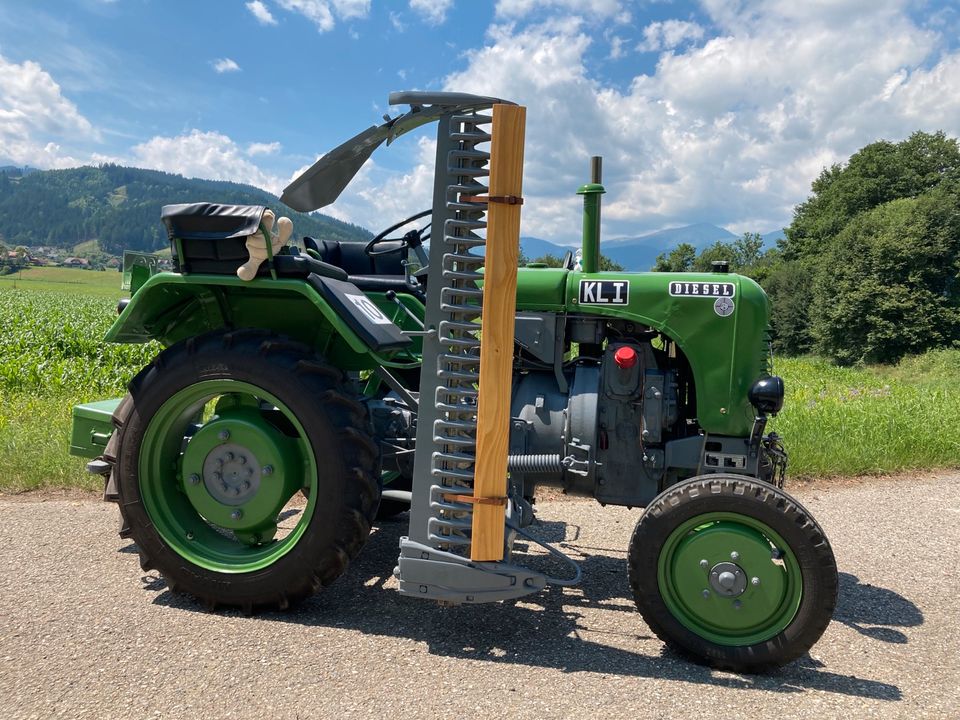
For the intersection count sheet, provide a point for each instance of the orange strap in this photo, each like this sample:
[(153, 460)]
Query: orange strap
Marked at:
[(470, 499)]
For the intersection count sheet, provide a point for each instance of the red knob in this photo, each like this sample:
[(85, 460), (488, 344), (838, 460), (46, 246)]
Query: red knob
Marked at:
[(625, 357)]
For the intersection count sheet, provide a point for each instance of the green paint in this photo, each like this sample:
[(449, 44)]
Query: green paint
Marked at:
[(591, 226), (764, 610), (185, 514), (726, 354), (92, 427)]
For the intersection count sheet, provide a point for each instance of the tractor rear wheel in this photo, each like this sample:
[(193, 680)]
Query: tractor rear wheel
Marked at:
[(217, 439), (733, 572)]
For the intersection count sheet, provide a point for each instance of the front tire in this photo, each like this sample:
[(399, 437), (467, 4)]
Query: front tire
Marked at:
[(217, 438), (733, 572)]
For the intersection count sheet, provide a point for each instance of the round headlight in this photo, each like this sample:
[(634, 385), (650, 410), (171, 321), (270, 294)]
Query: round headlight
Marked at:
[(766, 395)]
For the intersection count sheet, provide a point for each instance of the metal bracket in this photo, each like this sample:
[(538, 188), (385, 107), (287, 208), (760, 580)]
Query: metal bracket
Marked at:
[(437, 575)]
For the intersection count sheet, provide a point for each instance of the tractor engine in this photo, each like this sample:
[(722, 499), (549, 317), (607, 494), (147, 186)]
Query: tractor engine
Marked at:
[(597, 424)]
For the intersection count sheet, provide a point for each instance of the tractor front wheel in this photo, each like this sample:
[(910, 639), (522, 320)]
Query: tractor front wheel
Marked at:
[(733, 572), (218, 438)]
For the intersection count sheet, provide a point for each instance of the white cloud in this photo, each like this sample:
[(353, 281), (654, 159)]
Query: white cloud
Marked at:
[(261, 12), (321, 12), (263, 148), (731, 131), (35, 117), (598, 8), (433, 11), (668, 35), (209, 155), (225, 65)]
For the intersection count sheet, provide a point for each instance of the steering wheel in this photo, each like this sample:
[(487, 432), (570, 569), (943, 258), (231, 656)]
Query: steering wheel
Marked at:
[(413, 239)]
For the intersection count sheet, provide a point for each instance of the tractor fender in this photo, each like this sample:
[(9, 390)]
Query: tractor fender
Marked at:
[(348, 326)]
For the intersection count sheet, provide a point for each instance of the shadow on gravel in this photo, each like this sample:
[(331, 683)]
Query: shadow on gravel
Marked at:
[(544, 630), (875, 611)]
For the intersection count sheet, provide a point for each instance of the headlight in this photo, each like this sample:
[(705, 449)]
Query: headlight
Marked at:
[(766, 395)]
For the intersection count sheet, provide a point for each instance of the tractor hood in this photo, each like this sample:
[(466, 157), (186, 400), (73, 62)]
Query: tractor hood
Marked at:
[(323, 182)]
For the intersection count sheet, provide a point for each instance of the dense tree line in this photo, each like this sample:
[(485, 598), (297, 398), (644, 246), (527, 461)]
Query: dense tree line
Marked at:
[(120, 207), (869, 270)]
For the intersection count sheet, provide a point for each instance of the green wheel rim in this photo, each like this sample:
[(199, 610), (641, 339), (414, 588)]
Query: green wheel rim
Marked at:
[(205, 530), (766, 595)]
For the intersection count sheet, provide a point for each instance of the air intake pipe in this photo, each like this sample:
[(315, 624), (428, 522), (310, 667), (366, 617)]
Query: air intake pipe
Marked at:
[(591, 216)]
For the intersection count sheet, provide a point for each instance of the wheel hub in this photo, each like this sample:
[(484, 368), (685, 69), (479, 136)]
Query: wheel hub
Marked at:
[(231, 474), (728, 579), (248, 468)]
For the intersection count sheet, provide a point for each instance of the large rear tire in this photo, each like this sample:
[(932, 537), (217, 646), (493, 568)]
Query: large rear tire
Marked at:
[(216, 439), (733, 572)]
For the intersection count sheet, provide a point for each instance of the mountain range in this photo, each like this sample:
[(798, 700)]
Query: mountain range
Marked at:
[(640, 253), (120, 207)]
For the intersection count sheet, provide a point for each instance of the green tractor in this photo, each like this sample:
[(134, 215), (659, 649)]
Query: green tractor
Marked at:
[(342, 384)]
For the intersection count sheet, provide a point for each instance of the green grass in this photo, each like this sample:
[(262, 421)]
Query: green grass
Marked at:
[(873, 420), (72, 282), (836, 421), (52, 358)]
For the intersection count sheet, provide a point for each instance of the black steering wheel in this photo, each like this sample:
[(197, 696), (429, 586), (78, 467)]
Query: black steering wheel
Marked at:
[(413, 239)]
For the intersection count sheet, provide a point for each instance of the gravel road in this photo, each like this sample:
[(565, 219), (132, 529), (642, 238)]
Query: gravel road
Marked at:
[(84, 634)]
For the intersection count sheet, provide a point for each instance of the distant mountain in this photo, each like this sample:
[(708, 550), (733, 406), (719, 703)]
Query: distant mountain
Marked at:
[(534, 248), (638, 253), (770, 238), (120, 207)]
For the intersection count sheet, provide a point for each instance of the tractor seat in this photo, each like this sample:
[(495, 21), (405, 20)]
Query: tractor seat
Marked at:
[(378, 274)]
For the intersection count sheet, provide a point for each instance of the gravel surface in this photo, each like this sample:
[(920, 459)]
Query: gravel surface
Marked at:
[(84, 634)]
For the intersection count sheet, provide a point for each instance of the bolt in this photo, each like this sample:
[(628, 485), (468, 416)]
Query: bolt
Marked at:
[(189, 536), (755, 581), (224, 435), (246, 486), (236, 491), (228, 456), (737, 604), (704, 564), (706, 594), (267, 470), (236, 514), (242, 459), (734, 556), (224, 486), (217, 476), (194, 479)]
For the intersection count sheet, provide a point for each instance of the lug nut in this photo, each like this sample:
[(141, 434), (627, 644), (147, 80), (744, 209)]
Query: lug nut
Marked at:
[(704, 564), (755, 581), (224, 435), (734, 556), (236, 514), (194, 479), (267, 470), (706, 594), (737, 604), (242, 459), (246, 486)]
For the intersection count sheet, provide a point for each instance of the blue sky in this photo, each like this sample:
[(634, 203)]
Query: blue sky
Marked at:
[(719, 111)]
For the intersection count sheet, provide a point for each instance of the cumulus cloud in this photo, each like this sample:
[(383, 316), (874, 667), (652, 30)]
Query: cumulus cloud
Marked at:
[(731, 130), (261, 12), (668, 35), (35, 117), (209, 155), (321, 12), (225, 65), (433, 11)]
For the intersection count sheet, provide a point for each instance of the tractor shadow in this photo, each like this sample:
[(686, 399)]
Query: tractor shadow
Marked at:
[(545, 630)]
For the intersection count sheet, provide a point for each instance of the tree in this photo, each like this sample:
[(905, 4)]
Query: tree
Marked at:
[(890, 284), (680, 259)]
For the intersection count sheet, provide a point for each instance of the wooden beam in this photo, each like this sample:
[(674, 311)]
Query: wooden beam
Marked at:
[(496, 344)]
